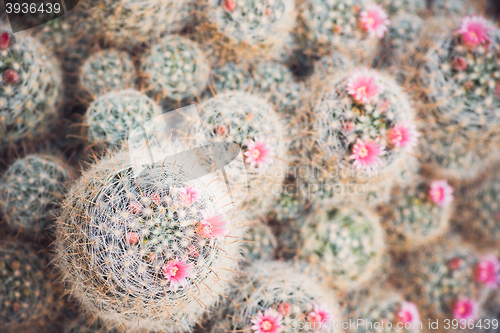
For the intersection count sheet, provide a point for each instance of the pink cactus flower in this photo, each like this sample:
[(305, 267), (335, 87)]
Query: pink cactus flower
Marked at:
[(403, 135), (259, 153), (221, 129), (135, 207), (229, 5), (459, 64), (466, 308), (497, 90), (319, 315), (474, 30), (213, 226), (11, 76), (188, 195), (269, 322), (132, 238), (348, 127), (374, 20), (4, 41), (361, 85), (366, 155), (177, 272), (284, 309), (409, 313), (441, 193), (488, 271)]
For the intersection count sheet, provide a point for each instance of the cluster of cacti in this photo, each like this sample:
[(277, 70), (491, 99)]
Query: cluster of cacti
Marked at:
[(30, 191)]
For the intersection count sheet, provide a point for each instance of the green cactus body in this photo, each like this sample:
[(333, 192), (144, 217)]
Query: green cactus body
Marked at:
[(258, 243), (30, 88), (107, 70), (404, 35), (175, 68), (30, 191), (394, 7)]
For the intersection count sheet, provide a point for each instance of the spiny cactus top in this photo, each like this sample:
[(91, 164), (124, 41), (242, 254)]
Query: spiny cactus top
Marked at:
[(30, 87), (276, 297), (258, 243), (462, 74), (398, 6), (112, 116), (346, 244), (249, 21), (107, 70), (147, 251), (175, 68), (30, 191)]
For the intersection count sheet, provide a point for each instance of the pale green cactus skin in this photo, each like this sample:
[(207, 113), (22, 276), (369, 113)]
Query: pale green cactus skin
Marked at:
[(258, 243), (30, 191), (405, 33), (394, 7)]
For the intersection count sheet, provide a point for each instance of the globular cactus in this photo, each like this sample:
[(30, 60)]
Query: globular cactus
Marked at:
[(395, 7), (258, 243), (175, 68), (30, 87), (148, 251), (112, 116), (107, 70), (346, 245), (277, 297), (28, 303), (251, 122), (31, 189), (417, 213), (404, 36)]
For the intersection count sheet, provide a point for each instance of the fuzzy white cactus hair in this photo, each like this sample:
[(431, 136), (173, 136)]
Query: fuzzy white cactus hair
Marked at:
[(123, 238), (394, 7)]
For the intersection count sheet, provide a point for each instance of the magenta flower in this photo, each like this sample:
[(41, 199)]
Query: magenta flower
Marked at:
[(488, 271), (319, 314), (177, 272), (188, 195), (229, 5), (135, 207), (366, 154), (361, 85), (284, 309), (441, 193), (408, 313), (4, 41), (259, 153), (213, 226), (269, 322), (374, 20), (474, 30), (466, 309), (403, 135)]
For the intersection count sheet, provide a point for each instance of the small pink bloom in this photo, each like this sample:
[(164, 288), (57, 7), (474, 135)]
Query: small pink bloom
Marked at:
[(221, 129), (319, 316), (361, 85), (466, 309), (497, 90), (374, 20), (229, 5), (269, 11), (213, 226), (348, 127), (459, 64), (188, 195), (259, 153), (269, 322), (177, 272), (408, 313), (455, 263), (135, 207), (488, 271), (11, 76), (4, 41), (366, 154), (441, 193), (474, 30), (193, 251), (284, 309), (403, 135), (155, 198), (132, 238)]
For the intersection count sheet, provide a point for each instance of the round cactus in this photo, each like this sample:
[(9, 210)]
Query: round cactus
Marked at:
[(175, 68), (112, 116), (30, 191), (107, 70), (398, 6), (250, 122), (416, 215), (258, 243), (146, 251), (30, 87), (27, 299), (283, 294), (346, 244)]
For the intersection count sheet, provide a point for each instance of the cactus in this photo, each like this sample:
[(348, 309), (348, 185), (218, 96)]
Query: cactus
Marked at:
[(84, 324), (107, 70), (288, 294), (413, 218), (258, 243), (30, 191), (250, 122), (112, 116), (346, 244), (31, 85), (146, 251), (394, 7), (28, 303), (175, 68), (404, 35), (449, 7)]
